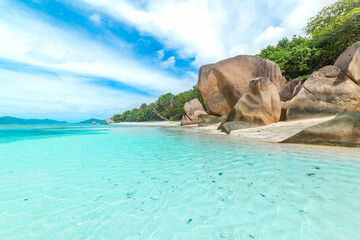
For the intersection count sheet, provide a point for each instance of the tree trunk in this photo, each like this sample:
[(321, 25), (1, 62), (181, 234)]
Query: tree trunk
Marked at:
[(163, 118)]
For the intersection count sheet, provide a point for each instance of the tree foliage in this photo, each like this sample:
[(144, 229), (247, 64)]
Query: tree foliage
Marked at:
[(329, 33), (167, 107), (296, 57)]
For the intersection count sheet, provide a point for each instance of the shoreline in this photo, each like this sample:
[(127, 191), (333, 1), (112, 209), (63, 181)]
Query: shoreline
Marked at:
[(159, 123), (273, 133)]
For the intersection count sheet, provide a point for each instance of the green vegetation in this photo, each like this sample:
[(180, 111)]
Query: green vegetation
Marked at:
[(328, 34), (167, 107)]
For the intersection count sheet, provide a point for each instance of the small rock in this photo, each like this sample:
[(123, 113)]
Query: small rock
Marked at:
[(224, 235)]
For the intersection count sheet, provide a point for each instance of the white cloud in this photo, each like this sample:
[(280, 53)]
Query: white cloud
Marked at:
[(95, 18), (209, 30), (212, 30), (160, 54), (61, 97), (170, 62), (28, 39), (271, 34)]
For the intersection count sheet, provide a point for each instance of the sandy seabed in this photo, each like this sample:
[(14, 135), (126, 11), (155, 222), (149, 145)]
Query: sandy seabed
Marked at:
[(273, 133)]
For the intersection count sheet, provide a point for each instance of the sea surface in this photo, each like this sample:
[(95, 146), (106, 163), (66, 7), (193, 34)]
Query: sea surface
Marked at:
[(135, 182)]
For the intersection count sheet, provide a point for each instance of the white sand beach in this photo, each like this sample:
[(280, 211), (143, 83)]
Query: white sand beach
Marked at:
[(280, 131), (276, 132)]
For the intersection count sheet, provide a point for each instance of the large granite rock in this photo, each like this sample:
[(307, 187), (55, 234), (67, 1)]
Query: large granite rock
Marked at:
[(193, 109), (326, 92), (193, 118), (223, 84), (260, 105), (349, 63), (191, 106), (109, 121), (208, 120), (344, 130), (235, 125), (291, 89)]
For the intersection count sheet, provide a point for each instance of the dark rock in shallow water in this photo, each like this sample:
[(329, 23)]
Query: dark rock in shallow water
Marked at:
[(208, 120), (344, 130), (235, 125)]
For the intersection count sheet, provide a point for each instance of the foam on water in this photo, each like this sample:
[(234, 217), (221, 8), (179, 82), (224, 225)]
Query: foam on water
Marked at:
[(132, 182)]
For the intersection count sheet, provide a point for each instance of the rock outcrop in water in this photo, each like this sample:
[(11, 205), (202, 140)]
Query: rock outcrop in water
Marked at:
[(344, 130), (223, 84), (260, 105), (349, 63), (327, 92), (235, 125), (193, 109)]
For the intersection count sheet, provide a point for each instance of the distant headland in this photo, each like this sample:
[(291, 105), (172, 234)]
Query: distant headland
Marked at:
[(15, 120)]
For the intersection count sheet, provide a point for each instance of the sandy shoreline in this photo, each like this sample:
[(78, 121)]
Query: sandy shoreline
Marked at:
[(273, 133), (276, 132)]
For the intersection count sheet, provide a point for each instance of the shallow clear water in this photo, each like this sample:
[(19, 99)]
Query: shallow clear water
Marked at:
[(132, 182)]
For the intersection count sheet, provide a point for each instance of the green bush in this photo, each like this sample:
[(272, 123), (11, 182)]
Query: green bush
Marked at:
[(329, 33), (167, 107)]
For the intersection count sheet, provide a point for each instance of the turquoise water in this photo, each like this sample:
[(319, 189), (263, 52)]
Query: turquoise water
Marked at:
[(133, 182)]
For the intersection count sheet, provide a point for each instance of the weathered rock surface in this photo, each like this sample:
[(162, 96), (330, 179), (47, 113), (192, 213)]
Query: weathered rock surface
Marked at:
[(291, 89), (193, 105), (235, 125), (349, 63), (109, 121), (193, 109), (223, 84), (192, 119), (208, 120), (344, 130), (284, 108), (144, 105), (326, 92), (260, 105)]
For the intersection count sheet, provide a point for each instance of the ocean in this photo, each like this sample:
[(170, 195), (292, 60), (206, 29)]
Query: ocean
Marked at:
[(137, 182)]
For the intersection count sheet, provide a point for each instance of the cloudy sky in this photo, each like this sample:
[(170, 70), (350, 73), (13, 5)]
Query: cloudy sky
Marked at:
[(76, 59)]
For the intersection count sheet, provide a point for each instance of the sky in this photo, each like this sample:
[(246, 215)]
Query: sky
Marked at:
[(77, 59)]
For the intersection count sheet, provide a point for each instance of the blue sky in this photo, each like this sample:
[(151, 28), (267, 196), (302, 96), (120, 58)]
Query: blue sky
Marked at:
[(76, 59)]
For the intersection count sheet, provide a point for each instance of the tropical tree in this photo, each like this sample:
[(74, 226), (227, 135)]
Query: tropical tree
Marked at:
[(335, 28)]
